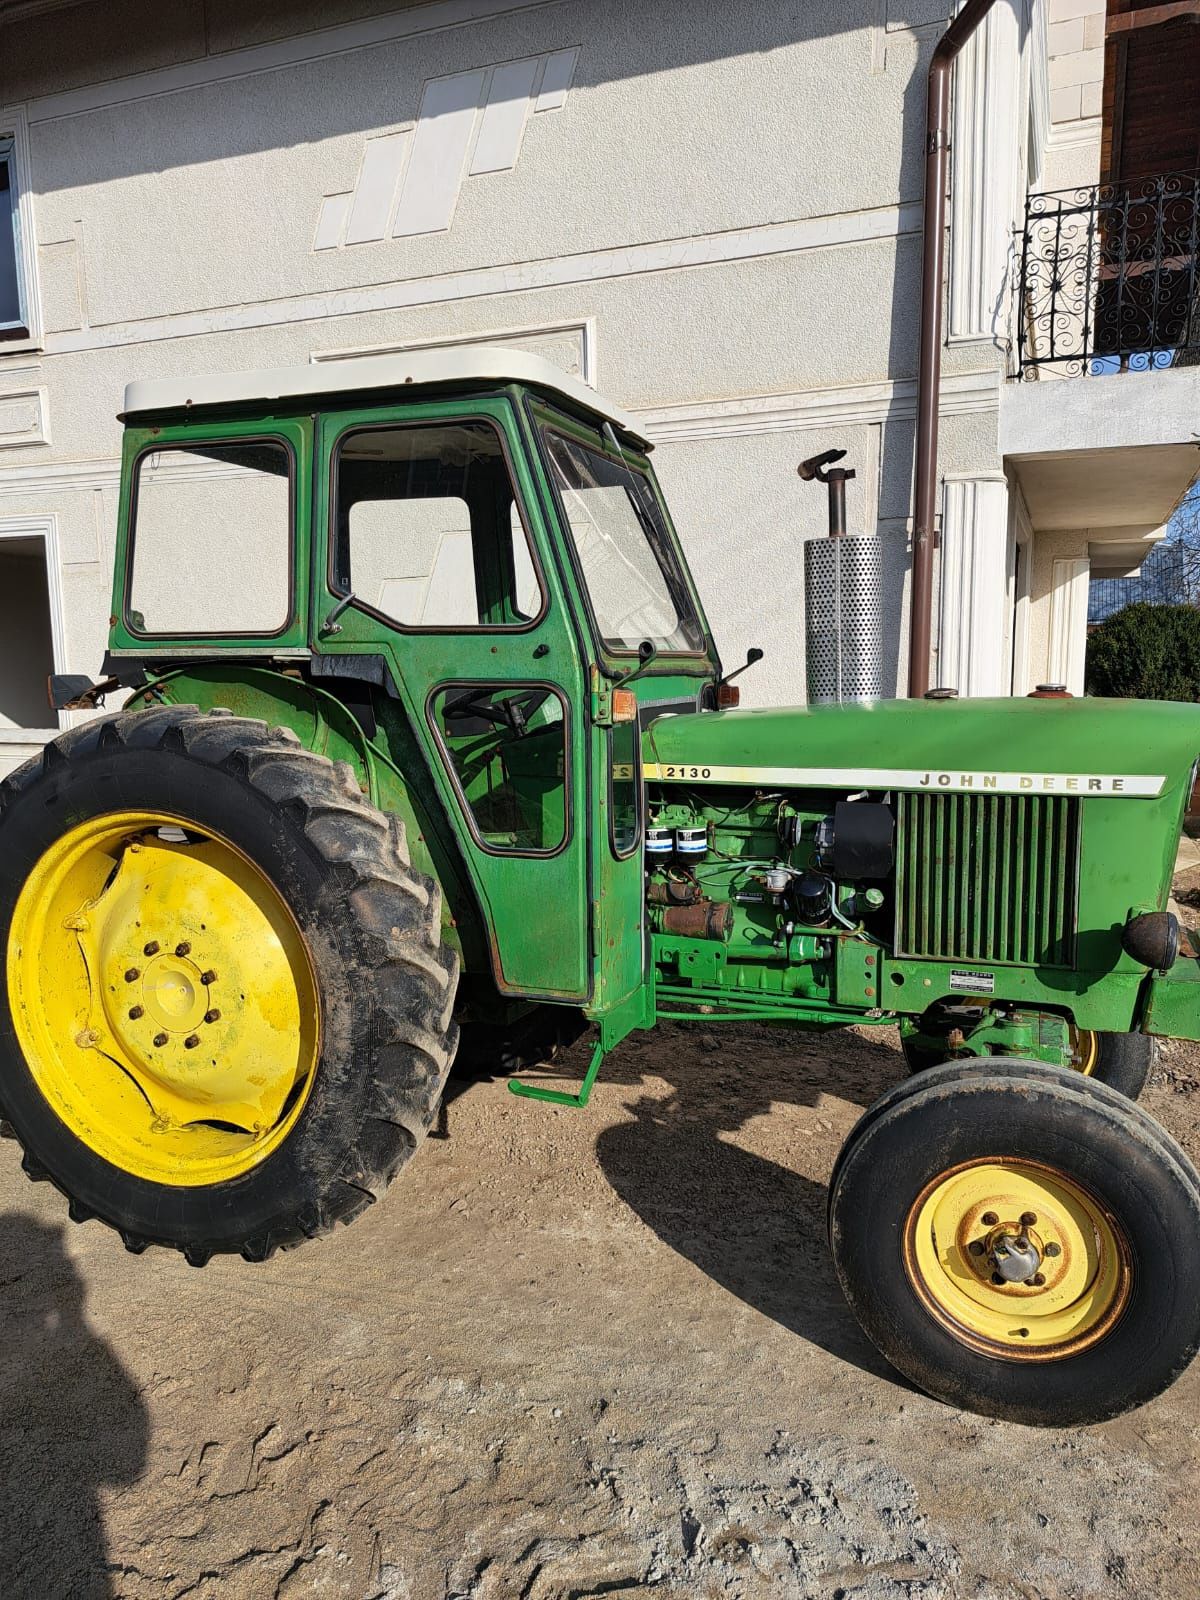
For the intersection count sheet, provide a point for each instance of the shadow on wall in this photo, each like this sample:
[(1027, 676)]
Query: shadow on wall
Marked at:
[(71, 1421)]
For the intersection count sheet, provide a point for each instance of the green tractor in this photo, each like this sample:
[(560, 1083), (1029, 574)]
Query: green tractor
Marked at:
[(425, 731)]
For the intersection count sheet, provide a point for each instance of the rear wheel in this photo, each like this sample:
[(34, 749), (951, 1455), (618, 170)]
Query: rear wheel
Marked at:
[(228, 1008), (1020, 1244)]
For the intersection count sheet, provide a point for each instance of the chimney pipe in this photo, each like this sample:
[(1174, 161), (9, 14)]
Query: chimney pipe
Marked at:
[(929, 370)]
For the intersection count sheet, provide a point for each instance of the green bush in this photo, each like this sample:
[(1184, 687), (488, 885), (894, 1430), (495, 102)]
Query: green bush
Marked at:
[(1146, 652)]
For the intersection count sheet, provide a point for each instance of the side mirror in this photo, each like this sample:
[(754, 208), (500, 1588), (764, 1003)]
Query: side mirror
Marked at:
[(726, 697)]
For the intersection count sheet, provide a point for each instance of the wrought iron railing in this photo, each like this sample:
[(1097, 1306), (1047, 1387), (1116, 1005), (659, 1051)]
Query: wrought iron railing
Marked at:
[(1108, 277)]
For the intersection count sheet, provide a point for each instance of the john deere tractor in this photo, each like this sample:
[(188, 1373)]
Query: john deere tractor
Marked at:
[(424, 731)]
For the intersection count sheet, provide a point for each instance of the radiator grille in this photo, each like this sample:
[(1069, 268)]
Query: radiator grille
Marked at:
[(988, 877)]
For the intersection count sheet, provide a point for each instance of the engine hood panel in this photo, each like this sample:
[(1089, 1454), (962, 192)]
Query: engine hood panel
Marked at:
[(1131, 748)]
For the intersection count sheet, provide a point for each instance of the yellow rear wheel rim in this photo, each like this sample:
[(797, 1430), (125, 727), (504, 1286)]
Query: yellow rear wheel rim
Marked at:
[(979, 1222), (164, 998)]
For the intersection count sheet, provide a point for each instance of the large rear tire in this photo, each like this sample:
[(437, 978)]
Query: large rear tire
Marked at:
[(227, 1017), (1020, 1243)]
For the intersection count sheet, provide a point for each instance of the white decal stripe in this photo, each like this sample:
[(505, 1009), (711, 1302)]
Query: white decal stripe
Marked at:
[(1134, 785)]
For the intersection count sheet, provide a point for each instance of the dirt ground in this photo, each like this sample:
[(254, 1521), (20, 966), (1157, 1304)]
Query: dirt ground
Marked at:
[(573, 1354)]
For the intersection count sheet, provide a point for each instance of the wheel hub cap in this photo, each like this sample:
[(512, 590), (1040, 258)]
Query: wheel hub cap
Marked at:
[(1014, 1256)]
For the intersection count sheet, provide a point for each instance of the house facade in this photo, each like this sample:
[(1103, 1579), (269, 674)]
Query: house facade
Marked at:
[(710, 212)]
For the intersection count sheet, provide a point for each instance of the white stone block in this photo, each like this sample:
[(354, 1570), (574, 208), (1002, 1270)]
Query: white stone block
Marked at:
[(1085, 66), (1064, 10), (1066, 38), (1064, 104)]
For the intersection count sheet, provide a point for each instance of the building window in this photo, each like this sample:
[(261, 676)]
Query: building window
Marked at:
[(14, 303)]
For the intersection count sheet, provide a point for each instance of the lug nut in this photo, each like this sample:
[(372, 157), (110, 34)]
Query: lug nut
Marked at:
[(976, 1247), (132, 975), (1028, 1218), (192, 1040), (996, 1278), (183, 948), (212, 1016), (150, 948), (1037, 1280), (160, 1039), (1053, 1249), (135, 1012), (989, 1219), (208, 977)]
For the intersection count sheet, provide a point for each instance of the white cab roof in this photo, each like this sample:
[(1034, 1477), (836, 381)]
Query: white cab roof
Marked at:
[(463, 364)]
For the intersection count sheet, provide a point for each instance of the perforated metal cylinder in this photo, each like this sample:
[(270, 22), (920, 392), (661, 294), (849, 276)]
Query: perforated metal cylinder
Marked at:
[(843, 612)]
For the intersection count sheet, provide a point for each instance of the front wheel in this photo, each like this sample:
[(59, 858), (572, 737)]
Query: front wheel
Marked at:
[(1122, 1060), (1020, 1244)]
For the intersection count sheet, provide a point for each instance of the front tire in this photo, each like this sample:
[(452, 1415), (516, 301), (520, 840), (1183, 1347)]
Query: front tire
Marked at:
[(1122, 1060), (1021, 1244), (227, 1020)]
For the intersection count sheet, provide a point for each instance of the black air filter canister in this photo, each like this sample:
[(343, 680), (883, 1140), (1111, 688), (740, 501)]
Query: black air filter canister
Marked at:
[(843, 615), (861, 842)]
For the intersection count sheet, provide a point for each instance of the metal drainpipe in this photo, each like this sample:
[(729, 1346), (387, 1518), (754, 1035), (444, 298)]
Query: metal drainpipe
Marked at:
[(929, 370)]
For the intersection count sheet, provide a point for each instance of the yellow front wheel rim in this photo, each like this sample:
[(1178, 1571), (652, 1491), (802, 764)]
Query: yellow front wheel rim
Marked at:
[(163, 997), (1085, 1051), (1017, 1260)]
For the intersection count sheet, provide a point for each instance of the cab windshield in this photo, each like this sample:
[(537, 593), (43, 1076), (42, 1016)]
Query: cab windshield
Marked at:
[(633, 578)]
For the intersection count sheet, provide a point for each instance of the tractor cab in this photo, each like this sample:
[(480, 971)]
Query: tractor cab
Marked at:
[(468, 552)]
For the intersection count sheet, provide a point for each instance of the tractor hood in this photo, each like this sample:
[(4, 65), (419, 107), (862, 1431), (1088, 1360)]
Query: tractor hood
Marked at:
[(1133, 748)]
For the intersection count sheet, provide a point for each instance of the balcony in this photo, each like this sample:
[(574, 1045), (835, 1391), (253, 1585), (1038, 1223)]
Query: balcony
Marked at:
[(1108, 279), (1107, 288)]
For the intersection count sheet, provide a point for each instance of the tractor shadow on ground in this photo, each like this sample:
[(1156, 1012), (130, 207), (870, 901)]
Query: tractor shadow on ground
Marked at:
[(71, 1421), (753, 1225)]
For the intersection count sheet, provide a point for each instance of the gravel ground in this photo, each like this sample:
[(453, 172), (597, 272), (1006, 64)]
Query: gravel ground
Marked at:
[(574, 1354)]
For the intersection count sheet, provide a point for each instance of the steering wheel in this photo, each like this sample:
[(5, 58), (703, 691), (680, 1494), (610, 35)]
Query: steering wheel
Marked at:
[(512, 713)]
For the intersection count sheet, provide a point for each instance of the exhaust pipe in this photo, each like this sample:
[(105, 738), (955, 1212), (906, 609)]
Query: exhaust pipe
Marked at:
[(843, 600)]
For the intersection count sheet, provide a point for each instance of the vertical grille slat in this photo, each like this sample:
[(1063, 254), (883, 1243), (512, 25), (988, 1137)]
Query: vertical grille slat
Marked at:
[(987, 877)]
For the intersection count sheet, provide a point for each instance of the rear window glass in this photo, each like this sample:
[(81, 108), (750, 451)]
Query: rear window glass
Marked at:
[(212, 539)]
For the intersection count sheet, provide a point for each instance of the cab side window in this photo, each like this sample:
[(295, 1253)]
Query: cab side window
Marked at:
[(427, 530)]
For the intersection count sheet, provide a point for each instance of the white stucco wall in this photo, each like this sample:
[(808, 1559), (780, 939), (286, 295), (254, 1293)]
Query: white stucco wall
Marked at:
[(709, 211)]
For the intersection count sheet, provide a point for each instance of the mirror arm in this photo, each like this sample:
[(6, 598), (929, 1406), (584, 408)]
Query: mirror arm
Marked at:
[(331, 623), (647, 656), (753, 655)]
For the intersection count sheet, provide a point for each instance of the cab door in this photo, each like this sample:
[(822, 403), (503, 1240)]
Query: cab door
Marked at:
[(431, 551)]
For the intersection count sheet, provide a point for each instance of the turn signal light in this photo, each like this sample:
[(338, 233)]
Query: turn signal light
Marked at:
[(624, 705), (728, 696)]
